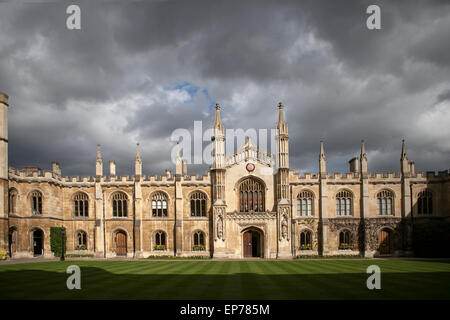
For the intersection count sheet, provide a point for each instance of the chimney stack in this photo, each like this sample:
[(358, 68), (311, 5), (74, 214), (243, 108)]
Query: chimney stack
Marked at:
[(354, 164)]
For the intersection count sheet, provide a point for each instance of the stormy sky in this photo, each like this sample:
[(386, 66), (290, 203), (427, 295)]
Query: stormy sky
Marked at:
[(137, 71)]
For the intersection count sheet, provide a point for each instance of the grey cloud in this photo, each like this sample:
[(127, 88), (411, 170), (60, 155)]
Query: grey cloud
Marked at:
[(339, 81)]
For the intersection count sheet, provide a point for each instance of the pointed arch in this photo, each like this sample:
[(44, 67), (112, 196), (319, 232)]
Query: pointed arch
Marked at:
[(425, 202), (344, 203), (305, 203), (119, 202), (13, 196), (385, 202), (251, 194), (159, 201), (80, 204)]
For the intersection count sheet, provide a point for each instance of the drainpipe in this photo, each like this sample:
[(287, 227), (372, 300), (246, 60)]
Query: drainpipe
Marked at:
[(104, 226)]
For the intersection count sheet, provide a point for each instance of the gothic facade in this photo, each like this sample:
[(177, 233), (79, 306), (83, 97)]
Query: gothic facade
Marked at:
[(249, 204)]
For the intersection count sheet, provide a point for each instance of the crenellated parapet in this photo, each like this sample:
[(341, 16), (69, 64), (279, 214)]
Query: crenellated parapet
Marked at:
[(306, 178), (346, 178)]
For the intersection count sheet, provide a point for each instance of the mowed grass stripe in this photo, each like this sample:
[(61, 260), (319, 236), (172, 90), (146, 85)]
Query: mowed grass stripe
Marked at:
[(288, 283), (268, 279), (329, 279), (151, 282), (230, 286), (145, 284), (200, 284), (118, 275), (315, 281)]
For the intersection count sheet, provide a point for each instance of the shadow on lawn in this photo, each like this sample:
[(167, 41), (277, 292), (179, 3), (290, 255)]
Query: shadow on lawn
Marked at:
[(96, 283)]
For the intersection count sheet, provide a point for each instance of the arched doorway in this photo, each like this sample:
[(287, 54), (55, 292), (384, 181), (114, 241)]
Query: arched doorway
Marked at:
[(38, 242), (252, 240), (12, 241), (385, 241), (121, 243)]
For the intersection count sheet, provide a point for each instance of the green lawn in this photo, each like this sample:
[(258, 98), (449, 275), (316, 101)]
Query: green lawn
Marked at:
[(316, 279)]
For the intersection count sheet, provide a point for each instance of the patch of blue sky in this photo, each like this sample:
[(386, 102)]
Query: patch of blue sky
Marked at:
[(211, 102), (187, 87)]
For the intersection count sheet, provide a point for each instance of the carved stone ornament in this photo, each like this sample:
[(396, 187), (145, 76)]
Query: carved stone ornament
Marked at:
[(219, 219)]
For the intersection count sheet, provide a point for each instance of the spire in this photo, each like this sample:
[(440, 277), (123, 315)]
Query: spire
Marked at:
[(363, 158), (179, 162), (403, 156), (322, 159), (363, 149), (218, 122), (280, 114), (322, 151), (99, 152), (138, 162), (404, 163), (138, 152)]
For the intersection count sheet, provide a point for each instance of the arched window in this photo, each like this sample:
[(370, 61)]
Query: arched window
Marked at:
[(343, 203), (80, 205), (305, 240), (425, 202), (304, 204), (199, 241), (36, 203), (198, 204), (384, 202), (344, 240), (12, 201), (119, 204), (159, 205), (251, 196), (160, 240), (81, 241)]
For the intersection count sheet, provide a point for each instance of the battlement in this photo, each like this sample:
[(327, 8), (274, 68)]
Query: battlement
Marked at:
[(437, 175), (84, 179), (159, 178), (345, 176), (196, 178), (303, 176), (385, 175)]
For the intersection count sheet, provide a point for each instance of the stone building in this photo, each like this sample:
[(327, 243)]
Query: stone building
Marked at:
[(249, 204)]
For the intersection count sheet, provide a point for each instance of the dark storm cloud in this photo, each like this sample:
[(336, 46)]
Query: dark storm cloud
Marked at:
[(117, 81)]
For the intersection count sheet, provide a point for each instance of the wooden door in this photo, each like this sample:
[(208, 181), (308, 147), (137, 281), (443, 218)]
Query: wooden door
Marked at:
[(385, 242), (121, 244), (247, 238)]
